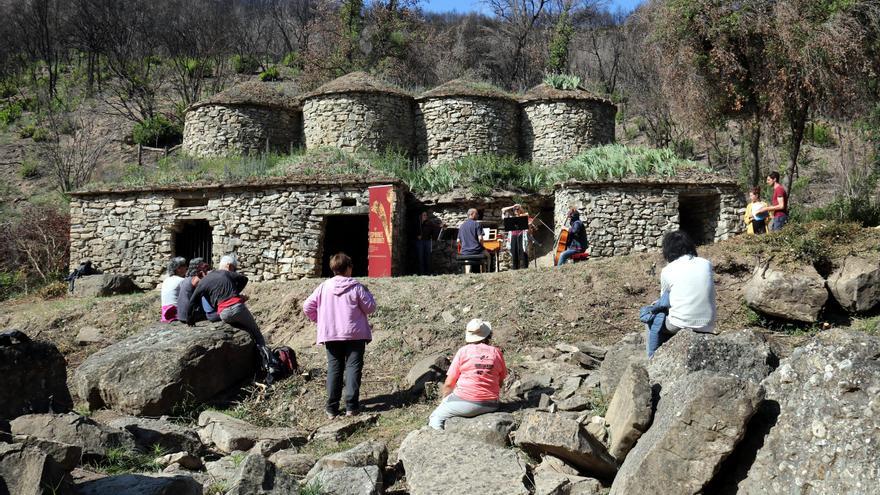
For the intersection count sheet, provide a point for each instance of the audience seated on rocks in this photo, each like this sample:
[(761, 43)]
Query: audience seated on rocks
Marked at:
[(687, 281), (177, 268), (473, 381), (197, 271), (340, 307)]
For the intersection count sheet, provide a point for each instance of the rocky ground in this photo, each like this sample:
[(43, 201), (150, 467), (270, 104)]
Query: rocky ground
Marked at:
[(567, 337)]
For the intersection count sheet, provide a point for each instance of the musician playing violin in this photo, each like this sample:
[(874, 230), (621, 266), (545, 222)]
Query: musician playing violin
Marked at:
[(519, 253), (577, 237)]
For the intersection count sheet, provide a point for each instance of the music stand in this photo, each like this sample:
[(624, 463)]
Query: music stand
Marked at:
[(516, 223), (448, 234)]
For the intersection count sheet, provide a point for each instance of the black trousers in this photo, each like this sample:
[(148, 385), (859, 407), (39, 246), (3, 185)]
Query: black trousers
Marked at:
[(344, 357), (519, 257)]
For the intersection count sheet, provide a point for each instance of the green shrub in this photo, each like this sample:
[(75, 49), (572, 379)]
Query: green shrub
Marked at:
[(12, 283), (52, 290), (291, 60), (10, 113), (562, 81), (270, 74), (820, 135), (40, 135), (28, 170), (26, 131), (198, 68), (862, 210), (120, 460), (684, 148), (157, 131), (245, 64)]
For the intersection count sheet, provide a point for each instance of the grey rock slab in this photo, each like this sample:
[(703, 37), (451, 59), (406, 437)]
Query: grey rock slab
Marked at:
[(104, 285), (792, 294), (370, 453), (149, 432), (822, 411), (344, 426), (575, 403), (856, 283), (555, 465), (565, 438), (630, 348), (229, 434), (630, 412), (364, 480), (33, 379), (142, 484), (493, 428), (94, 439), (166, 366), (743, 354), (554, 483), (697, 425), (90, 335), (442, 463), (431, 368), (293, 462), (25, 470), (182, 459), (65, 454), (257, 476)]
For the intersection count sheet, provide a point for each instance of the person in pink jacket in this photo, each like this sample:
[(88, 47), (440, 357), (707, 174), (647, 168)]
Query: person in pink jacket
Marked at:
[(340, 306)]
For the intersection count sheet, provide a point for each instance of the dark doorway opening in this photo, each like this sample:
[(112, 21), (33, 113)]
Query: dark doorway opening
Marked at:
[(698, 215), (192, 239), (348, 234)]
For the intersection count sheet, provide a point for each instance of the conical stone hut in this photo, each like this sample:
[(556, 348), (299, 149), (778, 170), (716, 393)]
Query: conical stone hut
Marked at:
[(358, 112), (245, 119), (461, 118), (559, 124)]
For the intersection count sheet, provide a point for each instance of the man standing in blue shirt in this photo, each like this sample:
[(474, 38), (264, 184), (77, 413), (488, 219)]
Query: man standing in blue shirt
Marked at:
[(470, 235)]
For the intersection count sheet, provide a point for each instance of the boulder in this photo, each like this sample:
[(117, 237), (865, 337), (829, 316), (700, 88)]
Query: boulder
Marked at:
[(581, 359), (141, 484), (856, 283), (149, 432), (532, 386), (166, 366), (293, 462), (90, 335), (631, 348), (552, 483), (370, 453), (66, 455), (794, 294), (104, 285), (365, 480), (439, 462), (492, 428), (822, 411), (257, 476), (26, 470), (94, 439), (343, 427), (33, 377), (630, 411), (182, 459), (229, 434), (224, 468), (430, 368), (743, 354), (546, 433), (698, 423)]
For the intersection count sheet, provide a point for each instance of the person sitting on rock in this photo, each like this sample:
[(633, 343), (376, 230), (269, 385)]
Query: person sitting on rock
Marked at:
[(473, 381), (689, 281), (197, 271), (171, 288)]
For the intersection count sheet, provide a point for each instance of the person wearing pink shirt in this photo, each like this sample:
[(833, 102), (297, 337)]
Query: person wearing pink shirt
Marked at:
[(340, 306), (473, 381)]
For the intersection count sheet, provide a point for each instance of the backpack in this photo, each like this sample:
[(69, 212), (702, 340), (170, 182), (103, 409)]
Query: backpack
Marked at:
[(277, 364)]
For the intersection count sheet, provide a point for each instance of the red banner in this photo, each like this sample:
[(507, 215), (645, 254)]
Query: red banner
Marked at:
[(381, 210)]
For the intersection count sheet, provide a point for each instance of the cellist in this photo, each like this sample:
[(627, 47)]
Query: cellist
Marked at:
[(577, 236)]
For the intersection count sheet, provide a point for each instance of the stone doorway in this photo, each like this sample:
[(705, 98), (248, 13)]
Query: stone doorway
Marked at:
[(348, 234), (192, 239), (698, 215)]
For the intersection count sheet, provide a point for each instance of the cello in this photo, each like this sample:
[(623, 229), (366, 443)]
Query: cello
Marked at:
[(561, 241)]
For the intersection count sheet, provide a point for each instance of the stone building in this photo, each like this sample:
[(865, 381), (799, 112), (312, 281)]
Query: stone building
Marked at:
[(558, 124), (629, 216), (461, 118), (358, 112), (279, 228), (248, 118)]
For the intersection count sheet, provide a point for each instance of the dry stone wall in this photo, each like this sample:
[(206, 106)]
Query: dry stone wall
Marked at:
[(276, 232), (219, 130), (626, 218), (555, 130), (454, 127), (358, 121)]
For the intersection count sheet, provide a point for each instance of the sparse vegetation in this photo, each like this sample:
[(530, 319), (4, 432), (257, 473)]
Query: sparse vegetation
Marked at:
[(566, 82), (270, 74), (121, 460), (157, 131)]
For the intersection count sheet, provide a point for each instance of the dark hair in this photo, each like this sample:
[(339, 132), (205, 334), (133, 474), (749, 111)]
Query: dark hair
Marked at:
[(175, 263), (756, 191), (774, 175), (340, 263), (677, 244)]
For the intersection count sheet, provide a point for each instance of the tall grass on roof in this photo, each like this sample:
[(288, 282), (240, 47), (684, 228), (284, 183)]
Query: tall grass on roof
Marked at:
[(616, 161)]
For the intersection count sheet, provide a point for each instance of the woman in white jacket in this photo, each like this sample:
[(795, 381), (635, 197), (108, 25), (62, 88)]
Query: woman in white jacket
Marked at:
[(171, 288)]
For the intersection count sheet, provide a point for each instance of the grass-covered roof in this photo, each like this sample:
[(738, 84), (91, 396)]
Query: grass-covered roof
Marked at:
[(255, 93), (544, 92), (464, 87), (356, 82)]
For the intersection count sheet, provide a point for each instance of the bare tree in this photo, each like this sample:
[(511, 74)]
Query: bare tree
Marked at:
[(517, 22), (74, 158)]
